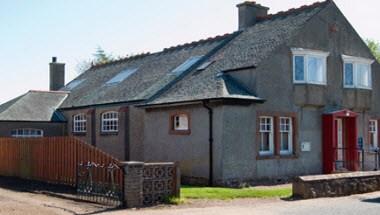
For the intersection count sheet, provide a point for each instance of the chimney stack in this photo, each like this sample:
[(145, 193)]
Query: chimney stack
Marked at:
[(57, 75), (248, 13)]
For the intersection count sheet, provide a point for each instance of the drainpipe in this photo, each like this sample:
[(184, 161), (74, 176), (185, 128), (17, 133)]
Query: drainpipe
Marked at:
[(211, 140)]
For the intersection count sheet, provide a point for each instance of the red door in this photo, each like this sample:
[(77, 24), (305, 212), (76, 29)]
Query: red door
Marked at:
[(339, 130)]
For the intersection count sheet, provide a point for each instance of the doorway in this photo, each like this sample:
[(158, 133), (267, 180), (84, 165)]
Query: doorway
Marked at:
[(339, 136)]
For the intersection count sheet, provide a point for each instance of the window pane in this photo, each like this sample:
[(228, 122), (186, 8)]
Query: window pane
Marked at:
[(299, 62), (121, 76), (181, 122), (265, 142), (363, 75), (285, 141), (348, 74), (315, 69), (187, 64)]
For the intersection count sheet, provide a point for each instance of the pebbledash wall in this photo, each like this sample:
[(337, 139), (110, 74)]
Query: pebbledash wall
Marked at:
[(236, 157), (191, 150), (125, 144)]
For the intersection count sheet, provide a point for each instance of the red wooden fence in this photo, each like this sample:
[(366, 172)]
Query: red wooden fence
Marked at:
[(51, 159)]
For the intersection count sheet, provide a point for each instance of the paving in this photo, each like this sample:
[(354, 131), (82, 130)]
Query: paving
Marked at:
[(34, 202), (368, 204)]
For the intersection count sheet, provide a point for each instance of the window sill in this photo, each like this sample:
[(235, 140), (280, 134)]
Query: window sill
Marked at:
[(276, 157), (180, 132), (309, 83), (79, 133), (109, 133), (356, 88)]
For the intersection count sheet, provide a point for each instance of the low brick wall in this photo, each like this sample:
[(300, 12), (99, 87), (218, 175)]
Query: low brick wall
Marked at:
[(146, 184), (336, 184)]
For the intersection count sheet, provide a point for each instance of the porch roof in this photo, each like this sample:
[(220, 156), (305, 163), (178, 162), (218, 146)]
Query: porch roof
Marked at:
[(342, 113)]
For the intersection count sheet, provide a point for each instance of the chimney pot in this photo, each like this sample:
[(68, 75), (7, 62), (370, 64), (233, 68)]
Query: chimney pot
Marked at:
[(248, 13), (54, 59)]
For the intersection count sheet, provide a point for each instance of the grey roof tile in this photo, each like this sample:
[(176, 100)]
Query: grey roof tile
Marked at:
[(34, 106), (248, 49), (154, 73)]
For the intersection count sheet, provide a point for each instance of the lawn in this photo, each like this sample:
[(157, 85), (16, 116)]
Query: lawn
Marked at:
[(189, 192)]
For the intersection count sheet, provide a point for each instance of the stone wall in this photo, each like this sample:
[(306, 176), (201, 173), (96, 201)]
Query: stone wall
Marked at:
[(336, 184)]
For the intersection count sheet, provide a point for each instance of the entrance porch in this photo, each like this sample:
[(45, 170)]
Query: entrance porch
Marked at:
[(340, 136)]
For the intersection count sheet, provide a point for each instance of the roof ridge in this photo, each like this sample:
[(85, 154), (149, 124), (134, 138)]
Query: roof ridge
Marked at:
[(10, 103), (165, 50), (292, 11), (47, 91)]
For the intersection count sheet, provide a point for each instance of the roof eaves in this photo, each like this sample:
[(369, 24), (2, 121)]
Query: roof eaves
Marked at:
[(130, 102), (251, 99)]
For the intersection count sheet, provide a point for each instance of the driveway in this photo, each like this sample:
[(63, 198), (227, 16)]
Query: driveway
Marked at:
[(25, 203), (368, 204)]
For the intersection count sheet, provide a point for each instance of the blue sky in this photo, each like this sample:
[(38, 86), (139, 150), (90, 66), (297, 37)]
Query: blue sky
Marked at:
[(31, 32)]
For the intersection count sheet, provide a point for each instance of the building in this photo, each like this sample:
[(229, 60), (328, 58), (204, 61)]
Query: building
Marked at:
[(288, 94)]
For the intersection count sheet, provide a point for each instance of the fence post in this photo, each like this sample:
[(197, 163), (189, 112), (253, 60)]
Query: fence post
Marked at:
[(133, 184), (178, 180), (363, 159)]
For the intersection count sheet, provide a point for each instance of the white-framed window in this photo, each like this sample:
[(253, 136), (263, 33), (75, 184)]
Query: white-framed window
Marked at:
[(181, 122), (110, 121), (373, 135), (309, 66), (357, 72), (286, 135), (266, 135), (79, 123), (27, 133)]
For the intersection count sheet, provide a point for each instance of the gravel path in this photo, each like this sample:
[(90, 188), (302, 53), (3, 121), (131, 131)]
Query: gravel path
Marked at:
[(24, 203)]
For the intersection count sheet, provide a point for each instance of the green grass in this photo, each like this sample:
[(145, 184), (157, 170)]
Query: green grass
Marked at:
[(189, 192), (174, 201)]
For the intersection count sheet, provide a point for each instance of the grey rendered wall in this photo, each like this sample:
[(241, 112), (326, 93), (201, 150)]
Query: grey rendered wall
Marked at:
[(113, 143), (50, 129), (191, 151), (135, 132), (272, 80), (126, 144), (86, 137), (238, 149)]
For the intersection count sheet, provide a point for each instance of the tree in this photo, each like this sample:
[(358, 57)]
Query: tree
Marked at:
[(99, 57), (374, 46)]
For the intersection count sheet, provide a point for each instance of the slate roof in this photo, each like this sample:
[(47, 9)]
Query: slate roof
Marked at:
[(38, 106), (152, 75), (248, 49), (153, 83)]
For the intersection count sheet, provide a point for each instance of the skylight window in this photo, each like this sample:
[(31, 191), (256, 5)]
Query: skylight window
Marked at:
[(73, 84), (205, 65), (121, 76), (186, 65)]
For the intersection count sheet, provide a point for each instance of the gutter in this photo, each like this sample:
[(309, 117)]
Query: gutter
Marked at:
[(211, 143), (132, 102)]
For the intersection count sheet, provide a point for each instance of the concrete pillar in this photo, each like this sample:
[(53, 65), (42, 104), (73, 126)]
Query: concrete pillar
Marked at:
[(133, 184)]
